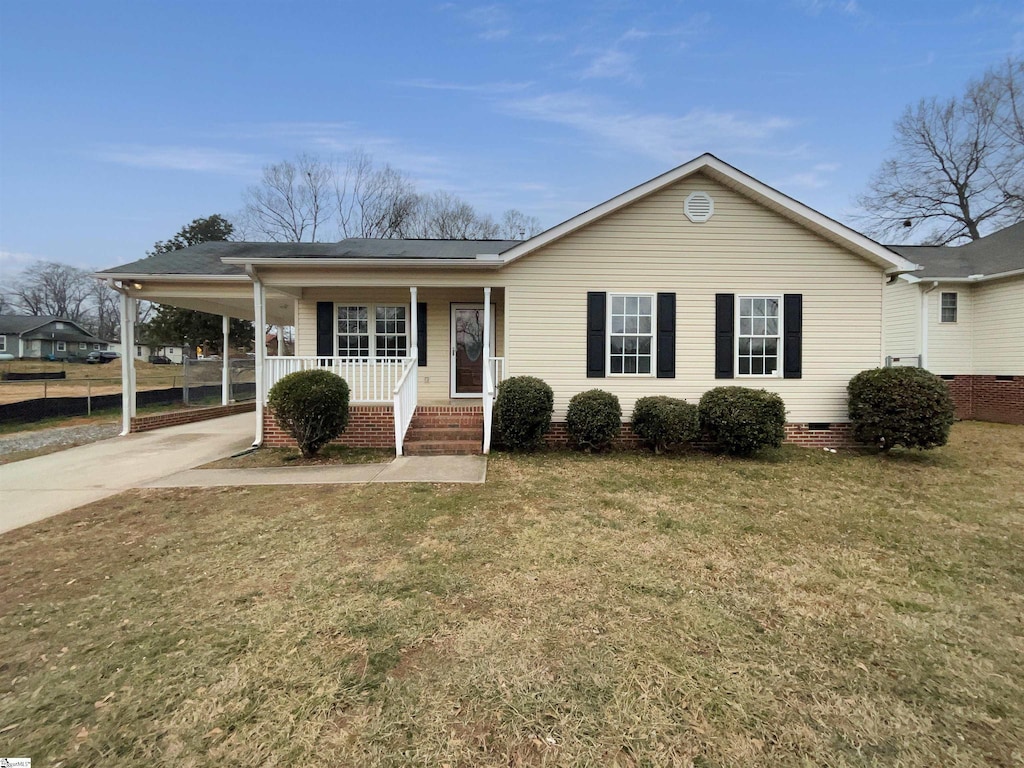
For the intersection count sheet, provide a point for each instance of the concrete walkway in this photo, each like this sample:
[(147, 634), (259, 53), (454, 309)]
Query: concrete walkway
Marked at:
[(38, 488), (34, 489), (405, 469)]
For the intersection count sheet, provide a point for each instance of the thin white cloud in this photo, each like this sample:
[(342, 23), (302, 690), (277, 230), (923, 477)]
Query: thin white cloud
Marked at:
[(663, 137), (816, 7), (492, 22), (614, 64), (617, 61), (814, 178), (196, 159), (487, 89)]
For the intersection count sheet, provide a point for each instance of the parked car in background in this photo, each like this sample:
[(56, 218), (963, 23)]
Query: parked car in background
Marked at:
[(97, 356), (159, 360)]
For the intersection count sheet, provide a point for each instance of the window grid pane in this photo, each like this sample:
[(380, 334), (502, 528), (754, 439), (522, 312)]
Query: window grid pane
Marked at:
[(948, 307), (392, 336), (353, 331), (631, 334), (758, 337)]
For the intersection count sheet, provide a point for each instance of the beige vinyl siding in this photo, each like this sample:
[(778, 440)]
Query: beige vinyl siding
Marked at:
[(999, 327), (433, 377), (744, 249), (901, 306), (949, 344)]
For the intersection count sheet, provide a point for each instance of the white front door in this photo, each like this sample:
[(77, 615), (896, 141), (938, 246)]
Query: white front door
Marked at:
[(467, 366)]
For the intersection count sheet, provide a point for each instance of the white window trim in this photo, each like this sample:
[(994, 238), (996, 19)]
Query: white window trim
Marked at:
[(61, 346), (96, 346), (608, 335), (736, 337), (956, 308), (83, 345), (371, 323), (3, 343)]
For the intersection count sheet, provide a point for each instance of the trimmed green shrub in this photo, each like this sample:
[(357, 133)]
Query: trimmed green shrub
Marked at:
[(594, 419), (665, 422), (741, 421), (522, 412), (312, 406), (900, 406)]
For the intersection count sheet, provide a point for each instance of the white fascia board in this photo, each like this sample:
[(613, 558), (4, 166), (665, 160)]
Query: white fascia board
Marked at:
[(124, 276), (976, 278), (864, 246)]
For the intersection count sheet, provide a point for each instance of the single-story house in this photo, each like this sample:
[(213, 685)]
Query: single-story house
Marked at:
[(46, 338), (961, 316), (700, 277)]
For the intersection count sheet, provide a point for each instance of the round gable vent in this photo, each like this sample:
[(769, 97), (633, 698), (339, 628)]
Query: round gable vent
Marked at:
[(699, 207)]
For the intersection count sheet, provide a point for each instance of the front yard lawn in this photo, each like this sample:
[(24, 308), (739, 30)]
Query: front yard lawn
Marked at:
[(803, 609)]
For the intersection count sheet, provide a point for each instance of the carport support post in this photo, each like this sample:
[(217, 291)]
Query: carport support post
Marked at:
[(280, 341), (129, 307), (260, 311), (225, 379)]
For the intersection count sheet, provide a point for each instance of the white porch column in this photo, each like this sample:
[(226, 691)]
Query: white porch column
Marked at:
[(259, 311), (225, 374), (413, 326), (129, 307), (280, 340), (487, 330)]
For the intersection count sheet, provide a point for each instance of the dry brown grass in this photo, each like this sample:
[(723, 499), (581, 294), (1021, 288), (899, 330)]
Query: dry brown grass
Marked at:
[(630, 610), (292, 457)]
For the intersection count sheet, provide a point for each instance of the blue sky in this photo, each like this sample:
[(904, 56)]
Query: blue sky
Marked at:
[(122, 121)]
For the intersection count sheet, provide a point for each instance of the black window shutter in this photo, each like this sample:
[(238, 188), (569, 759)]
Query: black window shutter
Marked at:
[(325, 329), (666, 335), (725, 314), (421, 332), (792, 343), (597, 303)]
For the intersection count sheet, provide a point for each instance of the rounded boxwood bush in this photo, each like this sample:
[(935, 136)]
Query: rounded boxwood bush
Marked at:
[(741, 421), (594, 419), (312, 406), (522, 412), (665, 422), (900, 406)]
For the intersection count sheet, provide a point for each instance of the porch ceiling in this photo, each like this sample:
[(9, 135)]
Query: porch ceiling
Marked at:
[(234, 300)]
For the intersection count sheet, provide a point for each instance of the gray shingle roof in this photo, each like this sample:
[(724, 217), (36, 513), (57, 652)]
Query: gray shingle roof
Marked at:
[(11, 324), (205, 258), (1002, 251)]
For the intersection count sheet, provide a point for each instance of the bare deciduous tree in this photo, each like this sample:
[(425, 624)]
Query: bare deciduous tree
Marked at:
[(292, 202), (516, 225), (50, 289), (957, 167), (445, 216), (374, 202)]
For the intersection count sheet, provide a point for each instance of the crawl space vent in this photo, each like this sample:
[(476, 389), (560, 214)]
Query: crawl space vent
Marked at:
[(699, 207)]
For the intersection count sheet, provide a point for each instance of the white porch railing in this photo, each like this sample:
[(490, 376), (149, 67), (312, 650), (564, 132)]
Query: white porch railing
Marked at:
[(405, 395), (494, 372), (369, 381)]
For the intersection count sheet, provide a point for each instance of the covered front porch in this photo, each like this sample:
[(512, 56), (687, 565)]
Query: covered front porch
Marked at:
[(418, 360)]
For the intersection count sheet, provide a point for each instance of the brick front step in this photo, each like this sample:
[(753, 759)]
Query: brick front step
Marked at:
[(443, 448), (435, 434)]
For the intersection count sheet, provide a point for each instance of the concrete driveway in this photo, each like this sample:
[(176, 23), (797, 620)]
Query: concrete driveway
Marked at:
[(38, 488)]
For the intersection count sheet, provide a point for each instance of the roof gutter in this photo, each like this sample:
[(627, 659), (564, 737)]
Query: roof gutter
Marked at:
[(331, 262)]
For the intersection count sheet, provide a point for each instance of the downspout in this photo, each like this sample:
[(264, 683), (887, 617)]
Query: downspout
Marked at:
[(259, 311), (924, 323)]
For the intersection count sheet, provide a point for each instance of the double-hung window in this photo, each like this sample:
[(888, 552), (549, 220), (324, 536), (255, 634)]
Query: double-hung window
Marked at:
[(367, 330), (62, 346), (630, 333), (948, 307), (760, 333)]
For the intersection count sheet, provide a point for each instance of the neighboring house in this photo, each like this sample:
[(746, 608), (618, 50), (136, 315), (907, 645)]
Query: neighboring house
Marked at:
[(46, 338), (147, 352), (699, 278), (962, 317)]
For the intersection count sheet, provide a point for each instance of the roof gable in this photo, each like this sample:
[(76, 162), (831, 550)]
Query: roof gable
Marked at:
[(746, 185), (22, 324)]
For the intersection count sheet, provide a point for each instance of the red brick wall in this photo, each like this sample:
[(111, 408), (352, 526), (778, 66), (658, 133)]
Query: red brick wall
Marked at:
[(188, 416), (988, 398), (369, 426), (838, 435)]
